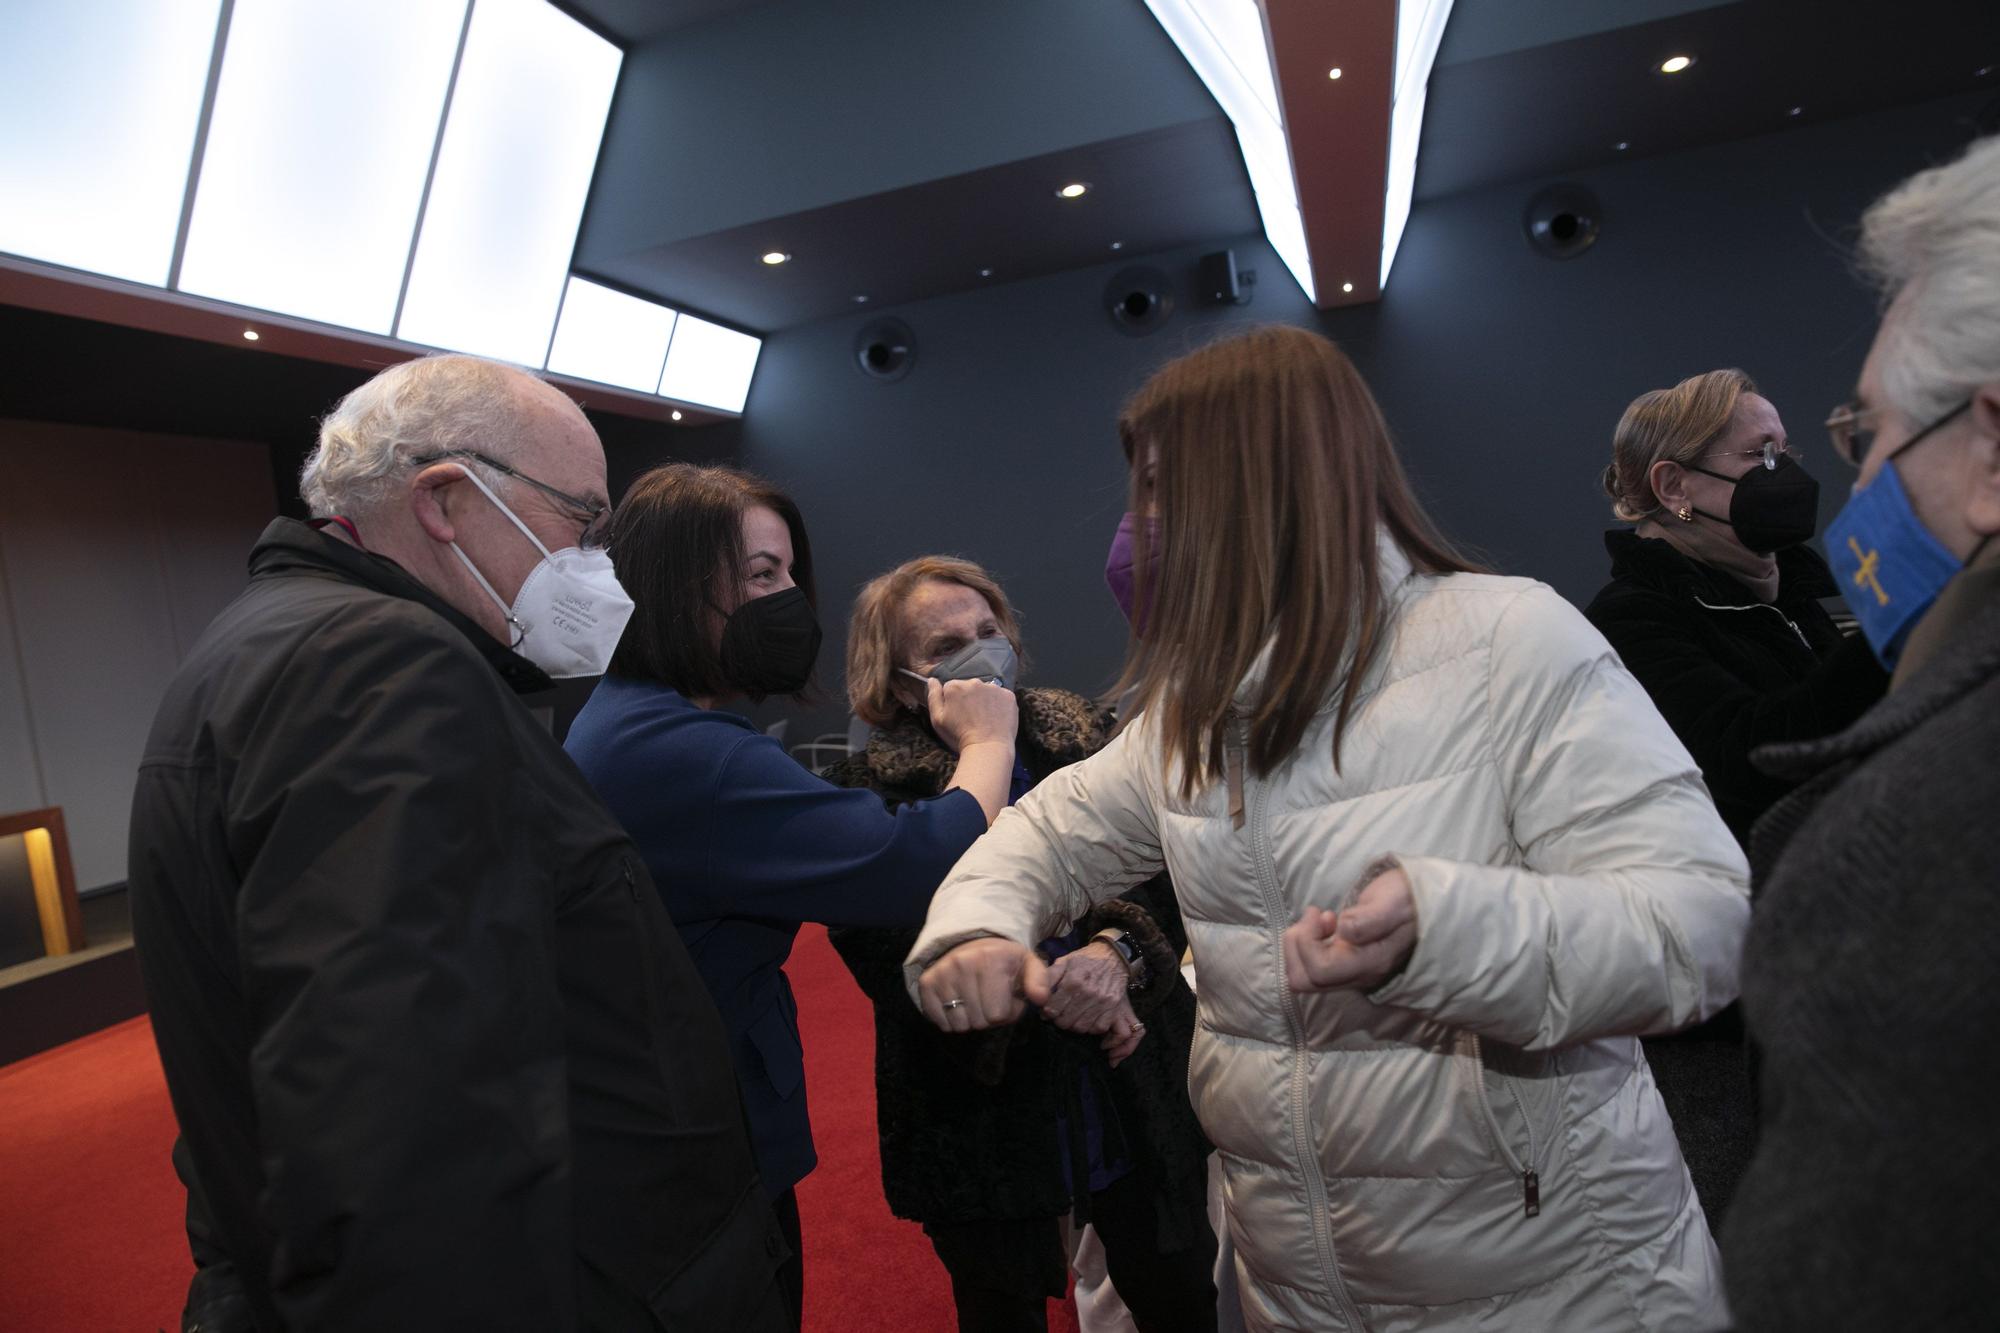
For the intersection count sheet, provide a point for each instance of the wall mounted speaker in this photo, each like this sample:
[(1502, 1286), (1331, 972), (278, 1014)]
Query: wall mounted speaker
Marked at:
[(885, 349), (1139, 299), (1219, 285), (1562, 221)]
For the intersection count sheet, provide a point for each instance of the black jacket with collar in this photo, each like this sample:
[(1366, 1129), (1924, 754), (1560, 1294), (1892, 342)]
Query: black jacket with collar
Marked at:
[(968, 1121), (437, 1054), (1868, 983), (1730, 673)]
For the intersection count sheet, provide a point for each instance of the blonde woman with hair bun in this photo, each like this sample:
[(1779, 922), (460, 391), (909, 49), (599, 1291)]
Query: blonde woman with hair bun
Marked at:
[(1714, 604), (1715, 596)]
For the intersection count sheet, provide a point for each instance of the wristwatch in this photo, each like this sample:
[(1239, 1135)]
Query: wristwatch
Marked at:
[(1128, 949)]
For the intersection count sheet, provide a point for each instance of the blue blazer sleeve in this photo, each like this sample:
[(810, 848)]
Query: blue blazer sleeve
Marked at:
[(787, 845)]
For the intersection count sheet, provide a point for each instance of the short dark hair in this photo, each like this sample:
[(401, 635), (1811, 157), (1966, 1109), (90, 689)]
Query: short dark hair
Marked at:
[(676, 543)]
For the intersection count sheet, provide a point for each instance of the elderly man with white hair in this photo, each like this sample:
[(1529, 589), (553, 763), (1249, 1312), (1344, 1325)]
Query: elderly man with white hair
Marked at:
[(1869, 978), (438, 1056)]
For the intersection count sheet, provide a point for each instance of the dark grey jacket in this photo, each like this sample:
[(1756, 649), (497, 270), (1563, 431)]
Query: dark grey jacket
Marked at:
[(438, 1056), (1871, 984)]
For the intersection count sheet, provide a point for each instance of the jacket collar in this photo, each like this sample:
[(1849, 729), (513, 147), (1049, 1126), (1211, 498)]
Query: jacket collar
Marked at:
[(1968, 660), (1394, 568), (1656, 564), (1055, 724), (289, 547), (1975, 586)]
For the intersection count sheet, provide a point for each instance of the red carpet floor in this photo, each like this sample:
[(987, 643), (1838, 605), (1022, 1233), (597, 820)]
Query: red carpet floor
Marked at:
[(90, 1211)]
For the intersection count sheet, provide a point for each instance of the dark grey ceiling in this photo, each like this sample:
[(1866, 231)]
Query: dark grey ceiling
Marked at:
[(895, 148), (1150, 192), (636, 22), (1497, 114)]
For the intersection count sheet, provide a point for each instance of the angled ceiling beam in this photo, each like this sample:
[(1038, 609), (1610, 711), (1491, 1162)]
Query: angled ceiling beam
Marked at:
[(1337, 131), (1332, 159)]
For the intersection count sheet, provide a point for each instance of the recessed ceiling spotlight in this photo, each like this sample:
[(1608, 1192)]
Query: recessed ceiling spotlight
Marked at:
[(1347, 286), (1676, 64), (1622, 145), (676, 414), (985, 272), (1118, 245), (1333, 73), (1796, 111), (860, 300), (776, 257), (1982, 71), (1073, 190), (251, 335)]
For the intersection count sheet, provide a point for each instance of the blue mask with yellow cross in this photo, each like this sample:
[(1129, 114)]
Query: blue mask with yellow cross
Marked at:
[(1889, 565)]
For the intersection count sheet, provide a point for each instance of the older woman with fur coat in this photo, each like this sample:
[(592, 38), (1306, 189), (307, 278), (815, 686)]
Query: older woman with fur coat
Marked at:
[(989, 1139)]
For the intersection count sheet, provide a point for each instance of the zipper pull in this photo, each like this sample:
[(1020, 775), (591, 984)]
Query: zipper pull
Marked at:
[(1531, 1192), (1232, 765), (1233, 768)]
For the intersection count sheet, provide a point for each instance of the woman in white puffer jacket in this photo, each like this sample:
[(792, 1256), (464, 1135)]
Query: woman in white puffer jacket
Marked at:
[(1431, 1108)]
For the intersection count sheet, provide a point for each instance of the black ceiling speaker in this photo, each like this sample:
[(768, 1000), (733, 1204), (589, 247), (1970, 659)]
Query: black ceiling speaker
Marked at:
[(1562, 221), (885, 349), (1219, 284), (1139, 299)]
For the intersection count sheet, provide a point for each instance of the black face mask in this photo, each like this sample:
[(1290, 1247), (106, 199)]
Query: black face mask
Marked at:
[(769, 644), (1771, 508)]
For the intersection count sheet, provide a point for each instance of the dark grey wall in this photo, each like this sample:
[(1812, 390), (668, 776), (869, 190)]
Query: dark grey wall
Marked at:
[(1501, 372)]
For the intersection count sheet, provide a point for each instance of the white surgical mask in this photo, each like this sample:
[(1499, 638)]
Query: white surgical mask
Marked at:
[(571, 609)]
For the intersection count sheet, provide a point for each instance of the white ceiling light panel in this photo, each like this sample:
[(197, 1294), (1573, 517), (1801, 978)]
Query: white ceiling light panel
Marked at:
[(100, 100), (709, 365), (325, 117), (610, 337), (520, 142)]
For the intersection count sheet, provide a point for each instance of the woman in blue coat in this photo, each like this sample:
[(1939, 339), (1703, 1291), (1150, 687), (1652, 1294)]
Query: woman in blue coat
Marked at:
[(744, 843)]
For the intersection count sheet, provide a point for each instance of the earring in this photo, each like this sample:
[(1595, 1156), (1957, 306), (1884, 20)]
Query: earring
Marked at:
[(1685, 514)]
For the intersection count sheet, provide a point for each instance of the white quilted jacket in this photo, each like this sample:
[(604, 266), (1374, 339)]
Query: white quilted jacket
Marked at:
[(1574, 889)]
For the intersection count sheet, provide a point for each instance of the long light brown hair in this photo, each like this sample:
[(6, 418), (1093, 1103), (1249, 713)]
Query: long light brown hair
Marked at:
[(1271, 470)]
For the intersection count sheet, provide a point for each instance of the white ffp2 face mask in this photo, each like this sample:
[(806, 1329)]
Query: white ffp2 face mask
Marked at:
[(571, 609)]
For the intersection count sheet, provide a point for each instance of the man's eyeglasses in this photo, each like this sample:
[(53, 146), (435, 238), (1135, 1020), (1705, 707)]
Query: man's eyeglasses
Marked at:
[(1852, 439), (1769, 453), (596, 517), (1852, 430)]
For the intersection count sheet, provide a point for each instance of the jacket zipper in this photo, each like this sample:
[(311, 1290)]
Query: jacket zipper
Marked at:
[(1274, 912), (1762, 606), (1531, 1179)]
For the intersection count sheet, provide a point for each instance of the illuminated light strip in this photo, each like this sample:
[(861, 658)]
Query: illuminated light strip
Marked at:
[(607, 336), (709, 365), (186, 154), (318, 146), (1419, 30), (492, 258), (101, 103)]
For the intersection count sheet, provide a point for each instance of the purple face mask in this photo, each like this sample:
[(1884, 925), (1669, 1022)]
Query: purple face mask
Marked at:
[(1118, 575)]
